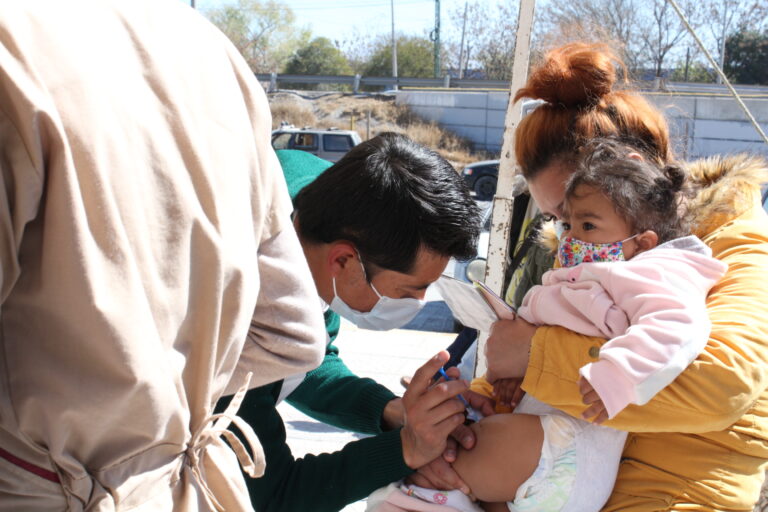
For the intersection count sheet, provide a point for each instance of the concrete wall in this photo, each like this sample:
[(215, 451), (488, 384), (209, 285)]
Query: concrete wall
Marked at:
[(703, 126), (700, 125), (478, 116)]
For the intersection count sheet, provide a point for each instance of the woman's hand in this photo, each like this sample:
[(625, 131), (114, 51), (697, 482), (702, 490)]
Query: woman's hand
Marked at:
[(508, 392), (508, 348)]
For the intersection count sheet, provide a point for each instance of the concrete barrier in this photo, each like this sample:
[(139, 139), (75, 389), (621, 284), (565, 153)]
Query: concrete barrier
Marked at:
[(700, 125)]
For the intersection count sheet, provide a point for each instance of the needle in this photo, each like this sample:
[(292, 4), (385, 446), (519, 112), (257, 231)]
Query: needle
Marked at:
[(471, 413)]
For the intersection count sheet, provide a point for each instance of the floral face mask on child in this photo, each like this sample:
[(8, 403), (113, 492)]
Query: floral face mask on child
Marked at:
[(572, 251)]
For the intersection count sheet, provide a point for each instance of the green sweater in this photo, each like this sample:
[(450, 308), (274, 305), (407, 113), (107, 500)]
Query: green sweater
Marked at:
[(331, 394)]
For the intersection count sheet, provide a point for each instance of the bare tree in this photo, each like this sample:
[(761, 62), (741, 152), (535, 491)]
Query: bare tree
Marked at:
[(727, 17), (663, 32), (615, 22), (263, 31), (477, 16), (358, 47), (489, 37)]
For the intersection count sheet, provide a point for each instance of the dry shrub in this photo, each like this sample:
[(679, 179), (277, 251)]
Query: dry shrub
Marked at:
[(292, 113), (382, 109), (336, 110), (428, 134)]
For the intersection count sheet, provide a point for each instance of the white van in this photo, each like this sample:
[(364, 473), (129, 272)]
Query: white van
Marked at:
[(330, 144)]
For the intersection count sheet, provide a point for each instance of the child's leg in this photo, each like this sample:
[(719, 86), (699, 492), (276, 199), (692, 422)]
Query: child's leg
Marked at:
[(507, 452), (495, 507)]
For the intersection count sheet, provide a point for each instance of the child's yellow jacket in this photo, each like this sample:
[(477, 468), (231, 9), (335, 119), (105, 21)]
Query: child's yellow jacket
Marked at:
[(703, 439)]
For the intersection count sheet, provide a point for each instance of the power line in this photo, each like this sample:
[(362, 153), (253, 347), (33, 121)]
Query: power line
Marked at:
[(718, 70)]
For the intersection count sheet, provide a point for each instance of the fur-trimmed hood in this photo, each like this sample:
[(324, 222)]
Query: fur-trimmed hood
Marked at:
[(727, 187)]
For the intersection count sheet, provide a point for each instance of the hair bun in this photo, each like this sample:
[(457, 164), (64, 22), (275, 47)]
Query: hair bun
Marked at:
[(574, 75), (676, 176)]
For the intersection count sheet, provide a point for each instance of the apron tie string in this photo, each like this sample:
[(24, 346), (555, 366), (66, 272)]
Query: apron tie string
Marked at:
[(252, 466)]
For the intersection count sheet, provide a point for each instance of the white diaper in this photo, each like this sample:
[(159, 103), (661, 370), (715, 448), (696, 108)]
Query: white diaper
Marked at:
[(549, 487), (578, 464)]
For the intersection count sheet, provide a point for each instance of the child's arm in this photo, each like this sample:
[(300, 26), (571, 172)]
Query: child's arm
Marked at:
[(662, 293), (571, 300)]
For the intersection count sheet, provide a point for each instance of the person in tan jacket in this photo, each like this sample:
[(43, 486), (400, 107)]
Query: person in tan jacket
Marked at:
[(148, 265)]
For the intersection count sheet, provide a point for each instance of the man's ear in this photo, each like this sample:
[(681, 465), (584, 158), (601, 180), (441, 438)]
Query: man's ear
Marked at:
[(646, 241), (340, 254)]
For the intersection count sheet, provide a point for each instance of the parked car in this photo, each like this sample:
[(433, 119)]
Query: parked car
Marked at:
[(474, 269), (481, 178), (330, 144)]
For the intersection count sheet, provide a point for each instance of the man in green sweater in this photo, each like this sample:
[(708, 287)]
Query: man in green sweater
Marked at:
[(377, 228)]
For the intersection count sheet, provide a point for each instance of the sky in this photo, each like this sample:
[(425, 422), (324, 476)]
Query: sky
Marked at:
[(335, 19)]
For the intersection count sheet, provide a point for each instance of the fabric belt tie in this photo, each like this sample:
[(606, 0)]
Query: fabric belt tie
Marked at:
[(252, 466)]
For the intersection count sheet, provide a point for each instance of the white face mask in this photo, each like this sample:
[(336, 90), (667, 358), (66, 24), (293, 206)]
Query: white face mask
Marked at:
[(387, 313)]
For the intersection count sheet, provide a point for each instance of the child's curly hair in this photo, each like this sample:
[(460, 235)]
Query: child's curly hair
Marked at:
[(648, 196)]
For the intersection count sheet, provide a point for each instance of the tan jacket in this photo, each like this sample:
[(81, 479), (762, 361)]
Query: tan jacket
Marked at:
[(702, 442), (146, 257)]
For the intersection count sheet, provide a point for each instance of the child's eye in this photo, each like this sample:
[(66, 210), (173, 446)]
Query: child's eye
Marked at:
[(588, 226), (566, 226)]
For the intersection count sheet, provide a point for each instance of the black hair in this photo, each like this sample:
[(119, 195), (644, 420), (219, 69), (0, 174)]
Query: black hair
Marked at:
[(647, 195), (390, 197)]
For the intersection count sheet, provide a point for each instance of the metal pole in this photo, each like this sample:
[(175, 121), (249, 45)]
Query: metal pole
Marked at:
[(461, 49), (394, 44), (498, 245), (437, 38), (724, 37), (368, 125), (192, 3)]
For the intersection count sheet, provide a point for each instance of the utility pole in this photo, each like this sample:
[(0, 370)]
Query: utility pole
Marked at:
[(192, 3), (435, 36), (461, 49), (394, 44), (724, 37), (503, 201)]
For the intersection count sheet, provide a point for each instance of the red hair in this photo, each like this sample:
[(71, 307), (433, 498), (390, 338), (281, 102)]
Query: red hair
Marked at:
[(577, 81)]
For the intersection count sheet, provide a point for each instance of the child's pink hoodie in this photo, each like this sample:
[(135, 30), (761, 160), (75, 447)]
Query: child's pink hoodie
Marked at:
[(652, 309)]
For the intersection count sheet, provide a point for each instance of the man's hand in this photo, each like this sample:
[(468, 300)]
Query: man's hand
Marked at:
[(483, 404), (508, 348), (432, 412), (439, 474), (508, 392), (393, 415), (590, 397)]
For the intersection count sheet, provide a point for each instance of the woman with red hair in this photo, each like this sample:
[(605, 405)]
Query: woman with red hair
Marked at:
[(702, 442)]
